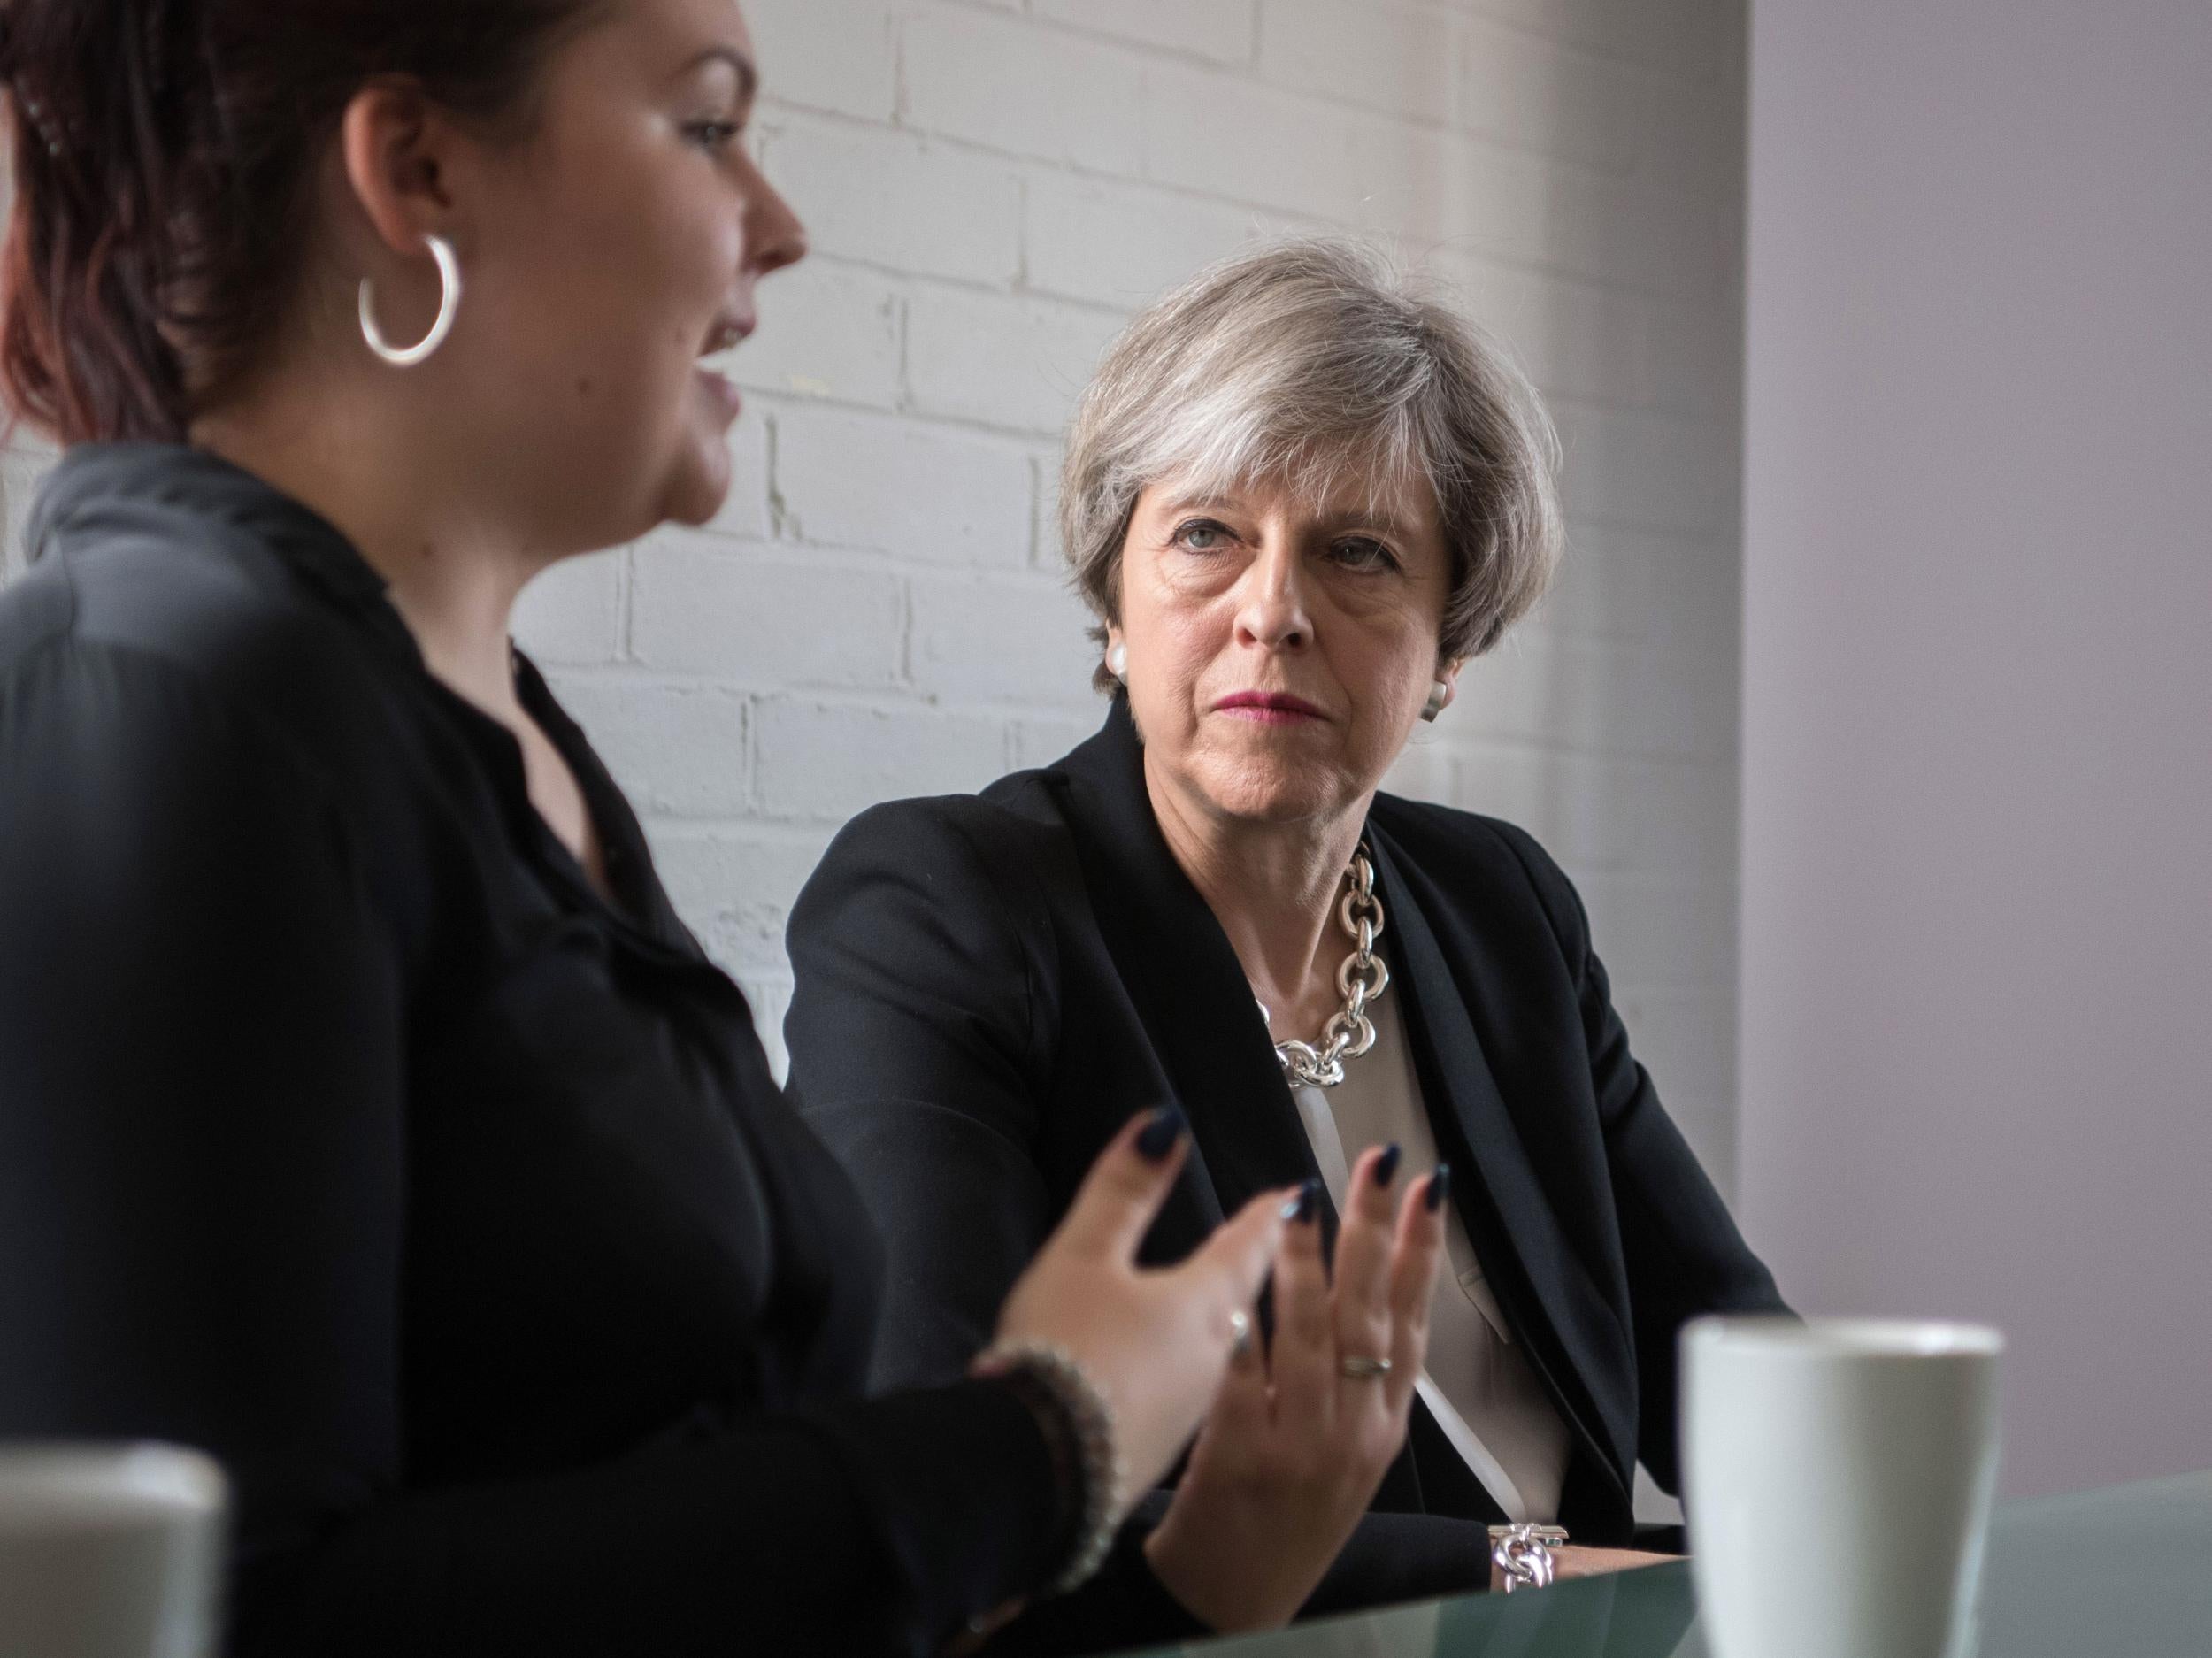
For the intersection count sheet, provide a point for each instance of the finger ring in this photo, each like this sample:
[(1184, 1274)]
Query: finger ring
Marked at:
[(1240, 1333), (1359, 1368)]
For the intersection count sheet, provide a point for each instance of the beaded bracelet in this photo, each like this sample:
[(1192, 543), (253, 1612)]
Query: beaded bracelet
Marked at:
[(1078, 1425)]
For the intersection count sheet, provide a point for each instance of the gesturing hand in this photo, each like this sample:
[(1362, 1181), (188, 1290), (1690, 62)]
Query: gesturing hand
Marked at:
[(1298, 1441), (1155, 1343)]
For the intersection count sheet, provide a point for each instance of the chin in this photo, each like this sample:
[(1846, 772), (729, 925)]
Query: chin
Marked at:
[(696, 490), (1260, 790), (693, 510)]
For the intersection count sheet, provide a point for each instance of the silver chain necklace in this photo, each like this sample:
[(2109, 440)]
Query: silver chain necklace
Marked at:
[(1364, 977)]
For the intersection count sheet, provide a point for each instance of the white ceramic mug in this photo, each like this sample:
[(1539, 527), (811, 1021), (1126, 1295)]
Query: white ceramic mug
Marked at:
[(1837, 1480), (109, 1551)]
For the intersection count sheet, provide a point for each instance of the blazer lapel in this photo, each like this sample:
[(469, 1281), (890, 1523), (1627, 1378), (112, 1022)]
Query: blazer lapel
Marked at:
[(1209, 1040), (1197, 1008), (1178, 966), (1572, 1332)]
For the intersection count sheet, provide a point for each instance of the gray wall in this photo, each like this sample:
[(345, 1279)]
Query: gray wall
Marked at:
[(1977, 1066), (994, 187)]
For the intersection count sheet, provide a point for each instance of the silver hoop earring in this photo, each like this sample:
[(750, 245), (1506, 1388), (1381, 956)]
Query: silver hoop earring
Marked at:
[(1439, 693), (1117, 662), (449, 303)]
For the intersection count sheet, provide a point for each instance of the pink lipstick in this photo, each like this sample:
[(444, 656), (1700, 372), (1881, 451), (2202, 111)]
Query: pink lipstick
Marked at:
[(1269, 708)]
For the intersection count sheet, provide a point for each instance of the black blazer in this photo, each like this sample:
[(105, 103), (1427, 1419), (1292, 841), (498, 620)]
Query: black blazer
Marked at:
[(989, 985)]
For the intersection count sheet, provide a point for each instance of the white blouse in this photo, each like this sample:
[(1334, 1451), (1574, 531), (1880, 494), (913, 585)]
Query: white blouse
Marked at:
[(1478, 1384)]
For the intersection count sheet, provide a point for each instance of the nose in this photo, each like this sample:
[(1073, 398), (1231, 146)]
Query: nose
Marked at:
[(774, 237), (1271, 605)]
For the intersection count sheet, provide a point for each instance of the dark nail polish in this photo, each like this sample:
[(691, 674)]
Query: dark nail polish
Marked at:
[(1308, 1201), (1161, 1135), (1439, 1188), (1387, 1166)]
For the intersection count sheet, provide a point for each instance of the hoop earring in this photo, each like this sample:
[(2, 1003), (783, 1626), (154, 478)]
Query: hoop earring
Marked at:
[(449, 303), (1117, 662), (1440, 692)]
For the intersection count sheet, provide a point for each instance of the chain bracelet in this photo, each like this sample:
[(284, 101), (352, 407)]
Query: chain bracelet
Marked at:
[(1523, 1554), (1362, 977)]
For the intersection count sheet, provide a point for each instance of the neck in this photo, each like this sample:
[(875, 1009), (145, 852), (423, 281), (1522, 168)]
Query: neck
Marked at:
[(360, 460), (1274, 888)]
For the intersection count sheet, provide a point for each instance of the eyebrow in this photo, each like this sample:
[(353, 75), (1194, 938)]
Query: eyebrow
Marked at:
[(1201, 502), (1383, 523), (747, 75)]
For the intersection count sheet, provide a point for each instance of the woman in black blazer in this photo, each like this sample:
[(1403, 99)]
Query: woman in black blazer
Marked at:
[(1298, 498)]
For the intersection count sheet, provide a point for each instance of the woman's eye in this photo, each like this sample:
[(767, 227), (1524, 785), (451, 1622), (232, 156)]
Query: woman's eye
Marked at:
[(1202, 535), (1361, 553), (715, 135)]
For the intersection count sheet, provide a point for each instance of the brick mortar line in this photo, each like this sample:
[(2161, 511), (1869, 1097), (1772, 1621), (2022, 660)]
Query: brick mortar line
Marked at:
[(906, 285), (1070, 27), (1011, 437), (1724, 309), (972, 147), (790, 401), (1019, 707), (1146, 53)]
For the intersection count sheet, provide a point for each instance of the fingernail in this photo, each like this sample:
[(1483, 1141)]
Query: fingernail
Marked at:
[(1387, 1166), (1439, 1188), (1303, 1202), (1161, 1135)]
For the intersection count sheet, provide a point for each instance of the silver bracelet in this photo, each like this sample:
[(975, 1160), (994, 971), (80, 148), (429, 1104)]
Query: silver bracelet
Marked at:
[(1090, 1421), (1523, 1553)]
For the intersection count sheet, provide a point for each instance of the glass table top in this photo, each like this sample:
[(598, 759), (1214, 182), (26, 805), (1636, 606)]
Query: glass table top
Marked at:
[(2125, 1572)]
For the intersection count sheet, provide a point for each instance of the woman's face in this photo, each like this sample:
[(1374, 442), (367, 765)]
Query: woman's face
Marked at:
[(1279, 650), (614, 248)]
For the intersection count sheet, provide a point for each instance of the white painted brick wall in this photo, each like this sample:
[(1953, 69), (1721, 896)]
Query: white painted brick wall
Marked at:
[(992, 187)]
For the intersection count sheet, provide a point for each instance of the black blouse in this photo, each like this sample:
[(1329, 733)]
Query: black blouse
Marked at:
[(347, 1132)]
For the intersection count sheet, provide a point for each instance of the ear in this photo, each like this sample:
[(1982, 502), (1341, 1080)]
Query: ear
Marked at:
[(399, 154)]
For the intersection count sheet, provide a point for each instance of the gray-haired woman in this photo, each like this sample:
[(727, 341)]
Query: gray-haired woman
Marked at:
[(1298, 496)]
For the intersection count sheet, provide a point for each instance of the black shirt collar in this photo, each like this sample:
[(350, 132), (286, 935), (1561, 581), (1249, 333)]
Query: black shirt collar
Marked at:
[(98, 487), (93, 480)]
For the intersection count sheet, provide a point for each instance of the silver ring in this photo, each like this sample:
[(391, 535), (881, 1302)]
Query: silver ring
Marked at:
[(1359, 1367), (1239, 1333)]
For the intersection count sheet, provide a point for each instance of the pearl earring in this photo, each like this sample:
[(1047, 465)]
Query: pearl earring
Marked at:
[(1117, 662), (1439, 693)]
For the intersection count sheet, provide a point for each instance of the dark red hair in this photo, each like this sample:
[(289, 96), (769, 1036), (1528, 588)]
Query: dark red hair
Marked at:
[(163, 156)]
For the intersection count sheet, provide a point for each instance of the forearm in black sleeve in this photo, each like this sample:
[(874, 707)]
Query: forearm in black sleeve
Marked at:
[(1685, 1256), (914, 1033), (874, 1527)]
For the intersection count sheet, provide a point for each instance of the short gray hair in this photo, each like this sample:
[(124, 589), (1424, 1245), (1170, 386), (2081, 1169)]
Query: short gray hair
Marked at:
[(1304, 361)]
